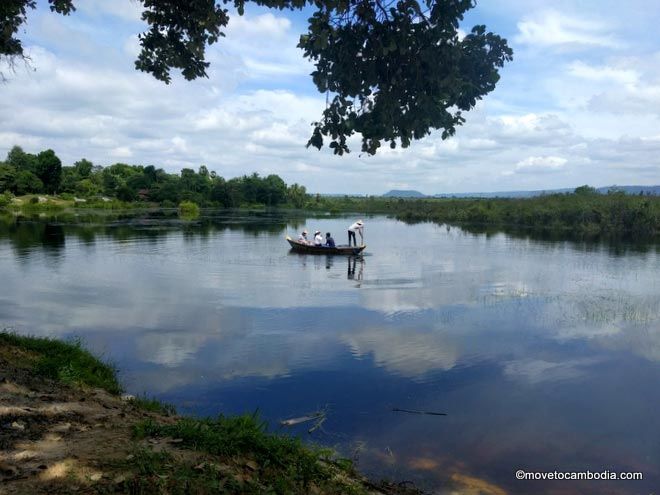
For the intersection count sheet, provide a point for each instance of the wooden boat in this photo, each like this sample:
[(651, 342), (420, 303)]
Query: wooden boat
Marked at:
[(311, 249)]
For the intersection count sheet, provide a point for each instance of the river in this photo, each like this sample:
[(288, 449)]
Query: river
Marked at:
[(544, 355)]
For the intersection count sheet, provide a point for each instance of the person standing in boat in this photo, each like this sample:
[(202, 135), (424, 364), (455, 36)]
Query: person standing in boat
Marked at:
[(356, 227), (329, 241), (318, 238), (302, 238)]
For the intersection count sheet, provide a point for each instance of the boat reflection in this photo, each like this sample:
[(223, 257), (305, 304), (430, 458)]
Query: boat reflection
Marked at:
[(354, 267), (353, 262)]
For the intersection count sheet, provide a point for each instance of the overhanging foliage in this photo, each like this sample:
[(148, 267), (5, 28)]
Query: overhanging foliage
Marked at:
[(392, 70)]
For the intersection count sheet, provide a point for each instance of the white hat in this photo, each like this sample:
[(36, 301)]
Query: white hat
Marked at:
[(304, 232), (317, 232), (359, 222)]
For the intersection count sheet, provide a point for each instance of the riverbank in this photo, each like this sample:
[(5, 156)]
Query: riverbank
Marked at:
[(584, 215), (67, 428)]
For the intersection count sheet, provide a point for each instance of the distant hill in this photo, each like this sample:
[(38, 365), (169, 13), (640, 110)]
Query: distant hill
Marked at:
[(504, 194), (404, 193), (647, 190), (652, 190)]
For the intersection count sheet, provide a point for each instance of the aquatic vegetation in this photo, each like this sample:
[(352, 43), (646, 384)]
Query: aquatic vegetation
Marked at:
[(570, 215), (188, 209)]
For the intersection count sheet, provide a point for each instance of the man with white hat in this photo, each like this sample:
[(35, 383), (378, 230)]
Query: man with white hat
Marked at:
[(318, 238), (356, 227)]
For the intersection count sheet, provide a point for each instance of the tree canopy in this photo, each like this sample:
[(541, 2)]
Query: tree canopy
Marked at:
[(392, 70), (26, 173)]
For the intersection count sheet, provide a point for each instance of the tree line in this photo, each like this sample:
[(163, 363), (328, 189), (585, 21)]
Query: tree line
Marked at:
[(43, 173), (584, 213)]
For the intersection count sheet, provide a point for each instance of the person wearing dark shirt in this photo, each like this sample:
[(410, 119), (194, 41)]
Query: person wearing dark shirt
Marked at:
[(329, 241)]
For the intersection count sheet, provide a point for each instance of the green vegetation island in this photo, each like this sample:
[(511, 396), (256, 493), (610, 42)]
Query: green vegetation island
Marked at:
[(67, 428), (39, 183)]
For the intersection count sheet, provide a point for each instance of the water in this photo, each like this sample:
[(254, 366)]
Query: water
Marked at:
[(544, 355)]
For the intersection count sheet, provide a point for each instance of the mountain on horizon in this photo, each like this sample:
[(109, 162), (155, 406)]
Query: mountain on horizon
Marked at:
[(405, 193)]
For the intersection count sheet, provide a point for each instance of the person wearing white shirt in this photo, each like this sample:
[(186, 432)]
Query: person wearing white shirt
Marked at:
[(318, 238), (302, 238), (356, 227)]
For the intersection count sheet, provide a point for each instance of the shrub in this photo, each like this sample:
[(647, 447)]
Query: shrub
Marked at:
[(5, 199), (188, 209)]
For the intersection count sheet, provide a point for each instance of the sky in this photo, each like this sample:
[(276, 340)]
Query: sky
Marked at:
[(579, 104)]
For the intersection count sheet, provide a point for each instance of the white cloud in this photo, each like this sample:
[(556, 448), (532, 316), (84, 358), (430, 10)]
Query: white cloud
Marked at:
[(408, 353), (627, 85), (126, 10), (266, 26), (607, 74), (551, 28), (276, 134), (540, 164), (534, 371), (121, 152), (267, 46)]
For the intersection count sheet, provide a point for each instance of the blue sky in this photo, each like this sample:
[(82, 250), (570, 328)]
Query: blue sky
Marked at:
[(579, 103)]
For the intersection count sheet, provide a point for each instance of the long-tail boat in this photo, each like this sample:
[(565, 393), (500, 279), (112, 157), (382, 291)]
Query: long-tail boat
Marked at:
[(312, 249)]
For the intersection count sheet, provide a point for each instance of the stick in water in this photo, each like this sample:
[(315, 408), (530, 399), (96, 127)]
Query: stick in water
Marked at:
[(317, 425), (431, 413), (303, 419)]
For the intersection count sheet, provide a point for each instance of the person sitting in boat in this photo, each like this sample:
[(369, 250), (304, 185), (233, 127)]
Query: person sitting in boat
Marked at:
[(302, 238), (329, 241), (356, 227), (318, 238)]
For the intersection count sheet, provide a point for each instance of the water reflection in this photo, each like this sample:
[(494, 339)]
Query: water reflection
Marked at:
[(545, 355), (86, 226), (354, 261)]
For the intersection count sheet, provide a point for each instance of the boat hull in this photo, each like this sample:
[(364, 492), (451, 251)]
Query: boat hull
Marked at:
[(306, 248)]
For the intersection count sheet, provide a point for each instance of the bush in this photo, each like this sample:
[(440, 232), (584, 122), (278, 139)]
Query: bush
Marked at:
[(188, 209), (5, 199)]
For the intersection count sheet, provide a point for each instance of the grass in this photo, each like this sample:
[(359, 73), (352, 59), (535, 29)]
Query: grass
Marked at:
[(70, 363), (223, 455), (264, 462), (112, 204), (162, 473), (67, 362), (153, 405)]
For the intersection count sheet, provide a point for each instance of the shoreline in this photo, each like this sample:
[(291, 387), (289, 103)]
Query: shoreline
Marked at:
[(571, 215), (67, 428)]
